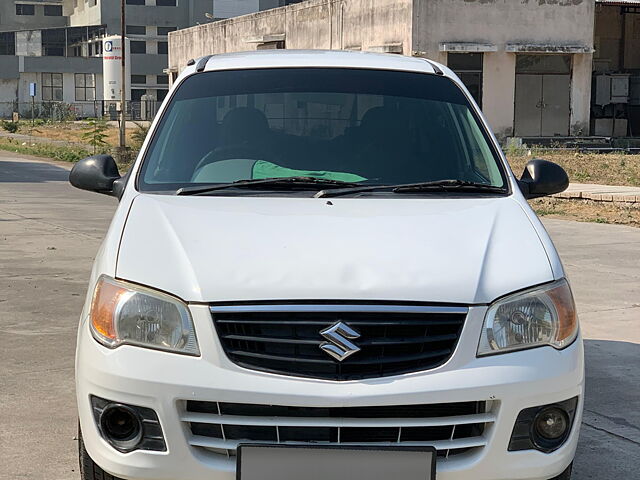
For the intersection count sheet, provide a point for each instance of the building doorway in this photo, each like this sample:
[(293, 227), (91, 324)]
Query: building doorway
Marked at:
[(543, 95)]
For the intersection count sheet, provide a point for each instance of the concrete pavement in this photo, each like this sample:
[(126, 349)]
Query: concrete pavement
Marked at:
[(603, 264), (49, 233)]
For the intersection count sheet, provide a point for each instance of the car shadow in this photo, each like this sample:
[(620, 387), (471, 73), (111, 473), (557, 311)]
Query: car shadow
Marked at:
[(31, 172), (609, 445)]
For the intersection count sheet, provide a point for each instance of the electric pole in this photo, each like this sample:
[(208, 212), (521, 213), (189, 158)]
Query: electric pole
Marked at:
[(123, 78)]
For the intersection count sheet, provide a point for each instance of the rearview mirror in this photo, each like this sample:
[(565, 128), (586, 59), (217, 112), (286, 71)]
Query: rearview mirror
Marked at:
[(541, 178), (98, 173)]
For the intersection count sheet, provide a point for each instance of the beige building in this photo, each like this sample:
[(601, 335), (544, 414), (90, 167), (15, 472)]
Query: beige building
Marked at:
[(528, 63)]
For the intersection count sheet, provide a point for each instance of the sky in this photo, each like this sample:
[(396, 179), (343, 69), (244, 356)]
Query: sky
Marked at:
[(230, 8)]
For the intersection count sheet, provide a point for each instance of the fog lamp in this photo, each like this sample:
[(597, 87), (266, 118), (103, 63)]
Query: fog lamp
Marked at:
[(551, 423), (128, 427), (121, 423), (544, 428)]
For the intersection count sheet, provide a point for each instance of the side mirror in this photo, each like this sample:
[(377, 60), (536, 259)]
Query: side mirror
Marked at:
[(541, 178), (98, 174)]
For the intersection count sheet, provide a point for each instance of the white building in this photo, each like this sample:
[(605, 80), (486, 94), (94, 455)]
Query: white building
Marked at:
[(56, 44)]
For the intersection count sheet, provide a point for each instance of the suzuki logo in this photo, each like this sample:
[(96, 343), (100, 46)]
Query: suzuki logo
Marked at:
[(339, 345)]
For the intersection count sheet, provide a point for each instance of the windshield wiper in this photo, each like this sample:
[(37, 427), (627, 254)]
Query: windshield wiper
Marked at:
[(448, 185), (438, 185), (305, 183)]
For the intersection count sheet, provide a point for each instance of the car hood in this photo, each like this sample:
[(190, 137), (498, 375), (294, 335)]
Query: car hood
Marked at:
[(445, 250)]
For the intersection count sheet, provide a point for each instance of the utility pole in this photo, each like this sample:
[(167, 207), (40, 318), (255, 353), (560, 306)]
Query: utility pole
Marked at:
[(123, 78)]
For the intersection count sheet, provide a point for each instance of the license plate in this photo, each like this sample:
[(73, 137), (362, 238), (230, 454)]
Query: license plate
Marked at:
[(309, 462)]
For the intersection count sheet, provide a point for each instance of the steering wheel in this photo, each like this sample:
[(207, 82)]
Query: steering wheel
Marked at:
[(229, 152)]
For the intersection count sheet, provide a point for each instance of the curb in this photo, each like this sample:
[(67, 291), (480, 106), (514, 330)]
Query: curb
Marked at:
[(599, 197)]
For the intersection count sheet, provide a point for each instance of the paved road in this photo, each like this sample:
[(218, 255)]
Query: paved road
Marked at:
[(50, 232)]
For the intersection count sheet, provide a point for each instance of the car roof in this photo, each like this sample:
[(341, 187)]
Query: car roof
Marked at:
[(317, 58)]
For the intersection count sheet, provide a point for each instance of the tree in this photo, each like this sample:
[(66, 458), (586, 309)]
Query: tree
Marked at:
[(139, 135), (95, 134)]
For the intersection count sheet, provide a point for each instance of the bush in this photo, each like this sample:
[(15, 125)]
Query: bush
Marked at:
[(58, 111), (11, 127), (124, 157)]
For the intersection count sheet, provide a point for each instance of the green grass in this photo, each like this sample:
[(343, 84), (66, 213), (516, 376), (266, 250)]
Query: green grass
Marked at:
[(62, 153), (543, 212)]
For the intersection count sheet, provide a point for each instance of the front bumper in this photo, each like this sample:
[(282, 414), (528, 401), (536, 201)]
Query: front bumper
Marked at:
[(164, 381)]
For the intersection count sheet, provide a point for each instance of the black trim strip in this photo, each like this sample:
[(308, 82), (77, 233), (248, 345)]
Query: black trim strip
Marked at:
[(202, 63)]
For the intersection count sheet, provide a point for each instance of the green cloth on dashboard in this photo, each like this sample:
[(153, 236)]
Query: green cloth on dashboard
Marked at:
[(262, 169)]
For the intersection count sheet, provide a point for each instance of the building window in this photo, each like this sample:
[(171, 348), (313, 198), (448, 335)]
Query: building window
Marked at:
[(136, 94), (165, 30), (278, 45), (22, 9), (139, 79), (166, 3), (468, 66), (52, 87), (7, 43), (85, 87), (136, 30), (163, 79), (161, 94), (135, 2), (53, 10), (138, 46), (53, 42), (163, 48)]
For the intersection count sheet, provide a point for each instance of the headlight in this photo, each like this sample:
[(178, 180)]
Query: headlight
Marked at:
[(122, 313), (541, 316)]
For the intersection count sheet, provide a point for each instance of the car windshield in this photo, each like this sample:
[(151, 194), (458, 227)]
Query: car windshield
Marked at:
[(369, 127)]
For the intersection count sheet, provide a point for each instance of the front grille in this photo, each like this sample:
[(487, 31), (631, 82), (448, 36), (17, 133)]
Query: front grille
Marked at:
[(286, 339), (452, 428)]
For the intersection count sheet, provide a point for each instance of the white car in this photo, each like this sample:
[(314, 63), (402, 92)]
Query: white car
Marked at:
[(322, 265)]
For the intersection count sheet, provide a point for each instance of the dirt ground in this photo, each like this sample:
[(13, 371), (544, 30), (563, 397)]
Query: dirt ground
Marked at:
[(72, 132), (587, 211), (604, 169)]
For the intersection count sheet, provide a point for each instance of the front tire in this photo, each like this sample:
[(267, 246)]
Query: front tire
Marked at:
[(88, 468)]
